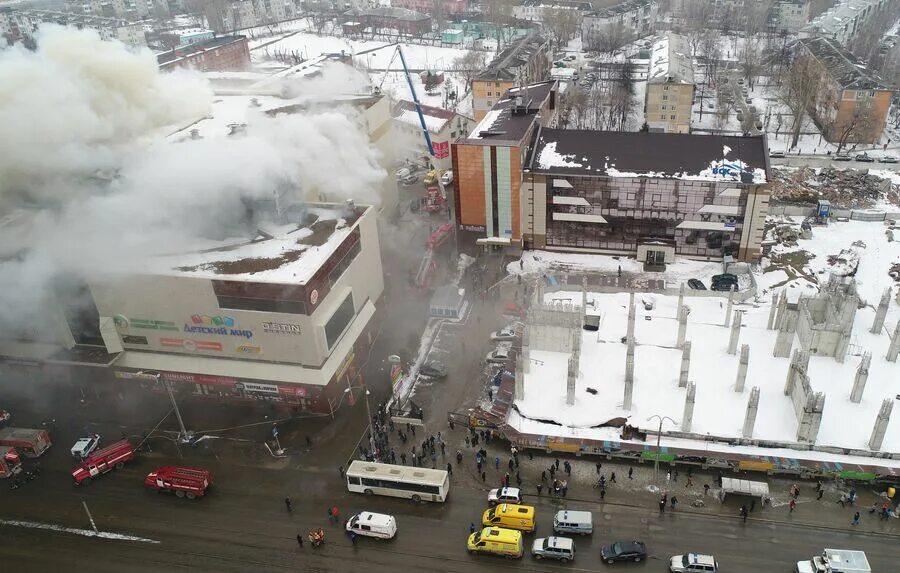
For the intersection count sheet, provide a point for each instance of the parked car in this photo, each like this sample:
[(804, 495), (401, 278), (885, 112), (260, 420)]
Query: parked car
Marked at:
[(888, 159), (842, 157), (748, 101), (696, 284), (84, 446), (409, 180), (560, 548), (505, 495), (447, 177), (740, 81), (693, 563), (776, 154), (624, 551), (403, 172), (498, 355), (506, 333), (724, 282), (864, 158), (433, 369)]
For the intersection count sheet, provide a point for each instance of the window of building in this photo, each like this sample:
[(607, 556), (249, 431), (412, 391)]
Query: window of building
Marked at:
[(489, 94), (497, 85), (672, 116), (662, 107), (662, 116), (339, 268), (261, 304), (339, 321), (665, 97), (665, 88)]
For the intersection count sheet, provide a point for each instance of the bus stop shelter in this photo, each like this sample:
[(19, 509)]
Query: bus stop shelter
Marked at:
[(733, 486)]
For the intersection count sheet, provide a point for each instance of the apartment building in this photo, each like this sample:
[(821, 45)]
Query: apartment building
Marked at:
[(444, 127), (670, 86), (846, 20), (537, 10), (619, 23), (525, 61)]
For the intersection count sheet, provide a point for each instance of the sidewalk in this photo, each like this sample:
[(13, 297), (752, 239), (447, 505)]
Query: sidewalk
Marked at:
[(644, 491)]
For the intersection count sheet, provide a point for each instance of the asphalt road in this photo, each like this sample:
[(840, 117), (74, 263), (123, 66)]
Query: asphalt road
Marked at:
[(243, 525)]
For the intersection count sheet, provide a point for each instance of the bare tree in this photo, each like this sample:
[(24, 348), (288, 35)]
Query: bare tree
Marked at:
[(561, 23), (711, 49), (575, 109), (853, 129), (468, 65), (609, 38), (800, 90)]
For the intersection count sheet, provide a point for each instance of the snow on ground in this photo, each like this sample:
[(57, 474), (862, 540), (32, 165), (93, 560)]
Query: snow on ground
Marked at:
[(719, 410)]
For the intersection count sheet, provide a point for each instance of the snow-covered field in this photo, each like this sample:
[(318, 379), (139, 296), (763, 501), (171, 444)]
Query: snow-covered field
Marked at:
[(719, 410)]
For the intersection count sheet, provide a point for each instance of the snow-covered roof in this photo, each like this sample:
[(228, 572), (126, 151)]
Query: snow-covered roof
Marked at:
[(653, 155), (670, 60), (435, 118), (277, 253)]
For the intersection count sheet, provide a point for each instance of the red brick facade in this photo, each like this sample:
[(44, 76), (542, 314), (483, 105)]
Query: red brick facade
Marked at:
[(222, 54)]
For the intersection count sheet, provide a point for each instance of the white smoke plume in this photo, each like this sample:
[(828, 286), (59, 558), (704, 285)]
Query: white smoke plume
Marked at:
[(85, 137)]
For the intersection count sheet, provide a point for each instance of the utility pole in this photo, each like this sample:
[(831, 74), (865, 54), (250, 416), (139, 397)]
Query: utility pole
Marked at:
[(184, 436), (658, 436), (369, 414)]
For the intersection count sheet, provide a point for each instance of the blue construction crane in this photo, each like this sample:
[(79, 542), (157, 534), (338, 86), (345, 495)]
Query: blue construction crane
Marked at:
[(412, 90)]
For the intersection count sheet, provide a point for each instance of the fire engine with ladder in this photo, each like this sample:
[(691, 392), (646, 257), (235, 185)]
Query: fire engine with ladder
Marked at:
[(183, 482)]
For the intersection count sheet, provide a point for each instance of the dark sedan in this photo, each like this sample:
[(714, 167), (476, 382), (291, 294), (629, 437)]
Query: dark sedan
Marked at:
[(696, 284), (624, 551)]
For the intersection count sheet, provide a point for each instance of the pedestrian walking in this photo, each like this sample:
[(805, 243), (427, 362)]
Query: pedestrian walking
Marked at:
[(449, 468), (565, 487), (855, 519), (598, 465), (443, 447), (744, 513), (675, 475), (341, 471), (602, 493), (300, 540), (662, 505), (556, 464), (288, 504), (467, 441), (518, 479), (544, 476), (540, 488), (820, 494), (690, 482), (511, 465), (483, 477), (353, 537), (506, 479), (673, 501), (552, 471), (668, 477), (612, 477), (403, 458), (330, 516), (706, 489), (630, 471), (451, 424), (792, 505), (497, 462), (335, 514), (471, 528), (490, 395), (458, 456)]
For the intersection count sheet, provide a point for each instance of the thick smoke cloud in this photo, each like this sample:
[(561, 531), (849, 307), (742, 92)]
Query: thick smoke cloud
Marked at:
[(85, 138)]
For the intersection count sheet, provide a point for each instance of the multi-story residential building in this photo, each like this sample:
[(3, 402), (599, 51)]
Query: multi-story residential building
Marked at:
[(487, 166), (789, 16), (220, 54), (525, 61), (404, 21), (240, 14), (443, 7), (846, 20), (537, 10), (852, 103), (444, 128), (670, 86), (650, 195), (24, 24), (619, 24), (15, 26)]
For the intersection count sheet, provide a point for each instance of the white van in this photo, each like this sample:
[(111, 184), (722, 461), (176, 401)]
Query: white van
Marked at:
[(580, 522), (373, 525)]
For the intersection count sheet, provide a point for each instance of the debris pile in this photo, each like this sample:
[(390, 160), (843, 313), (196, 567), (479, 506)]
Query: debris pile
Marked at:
[(845, 188), (785, 234), (845, 263)]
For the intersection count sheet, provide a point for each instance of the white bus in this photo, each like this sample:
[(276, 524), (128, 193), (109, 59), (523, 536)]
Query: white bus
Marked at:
[(418, 484)]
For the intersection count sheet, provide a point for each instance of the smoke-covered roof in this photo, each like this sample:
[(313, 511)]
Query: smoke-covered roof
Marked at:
[(848, 71)]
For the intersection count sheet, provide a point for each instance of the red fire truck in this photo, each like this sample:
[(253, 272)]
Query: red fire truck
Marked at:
[(10, 463), (102, 461), (185, 482), (30, 443)]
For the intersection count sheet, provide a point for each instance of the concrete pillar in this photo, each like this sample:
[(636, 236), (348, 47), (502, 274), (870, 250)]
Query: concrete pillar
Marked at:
[(881, 312), (680, 300), (631, 316), (784, 340), (526, 351), (521, 363), (682, 325), (811, 418), (881, 424), (730, 304), (894, 348), (773, 310), (862, 374), (803, 362), (782, 311), (742, 368), (735, 333), (689, 398), (791, 374), (571, 379), (629, 375), (750, 415), (685, 364)]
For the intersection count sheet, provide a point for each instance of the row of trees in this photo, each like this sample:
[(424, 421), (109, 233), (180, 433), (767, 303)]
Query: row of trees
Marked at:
[(609, 106)]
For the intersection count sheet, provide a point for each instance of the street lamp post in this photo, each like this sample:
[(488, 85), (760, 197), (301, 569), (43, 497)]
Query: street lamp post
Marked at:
[(348, 390), (658, 436)]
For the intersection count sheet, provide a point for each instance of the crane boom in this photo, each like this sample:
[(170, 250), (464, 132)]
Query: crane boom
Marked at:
[(412, 89)]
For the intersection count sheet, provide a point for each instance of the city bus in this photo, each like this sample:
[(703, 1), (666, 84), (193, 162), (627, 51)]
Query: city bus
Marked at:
[(417, 484)]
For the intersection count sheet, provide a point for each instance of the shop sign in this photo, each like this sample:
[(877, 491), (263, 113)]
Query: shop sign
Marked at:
[(257, 387), (122, 321), (396, 375), (198, 378), (314, 297), (244, 349), (191, 345), (473, 228), (281, 328), (134, 376), (222, 325), (293, 390)]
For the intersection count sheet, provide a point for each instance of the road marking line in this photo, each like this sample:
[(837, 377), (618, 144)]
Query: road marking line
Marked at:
[(75, 531)]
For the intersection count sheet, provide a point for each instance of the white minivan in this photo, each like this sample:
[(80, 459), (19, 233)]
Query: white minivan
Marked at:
[(373, 525)]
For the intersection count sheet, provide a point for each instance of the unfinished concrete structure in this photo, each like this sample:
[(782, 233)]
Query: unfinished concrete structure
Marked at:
[(808, 405), (683, 314), (728, 308), (750, 416), (735, 333), (629, 375), (786, 324), (859, 381), (685, 364), (894, 348), (742, 368), (825, 321), (881, 424), (881, 312)]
